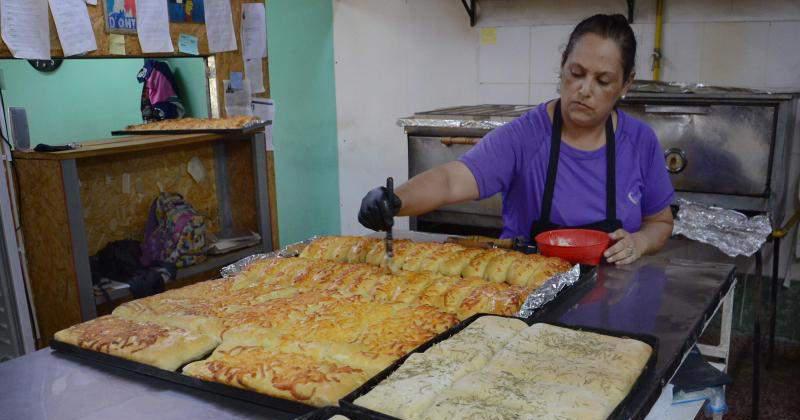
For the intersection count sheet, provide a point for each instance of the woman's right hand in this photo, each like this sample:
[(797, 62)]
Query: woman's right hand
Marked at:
[(378, 209)]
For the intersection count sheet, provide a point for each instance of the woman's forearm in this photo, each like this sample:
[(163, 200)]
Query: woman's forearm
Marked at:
[(446, 184), (654, 232)]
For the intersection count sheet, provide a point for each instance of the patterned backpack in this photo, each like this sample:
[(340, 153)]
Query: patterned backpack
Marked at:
[(175, 233)]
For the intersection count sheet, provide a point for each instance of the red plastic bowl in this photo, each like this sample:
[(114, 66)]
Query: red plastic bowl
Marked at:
[(578, 246)]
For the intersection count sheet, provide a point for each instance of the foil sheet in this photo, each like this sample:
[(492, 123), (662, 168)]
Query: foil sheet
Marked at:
[(548, 291), (289, 251), (450, 123), (732, 232)]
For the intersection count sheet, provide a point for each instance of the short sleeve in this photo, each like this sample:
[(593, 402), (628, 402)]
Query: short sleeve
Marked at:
[(658, 190), (494, 161)]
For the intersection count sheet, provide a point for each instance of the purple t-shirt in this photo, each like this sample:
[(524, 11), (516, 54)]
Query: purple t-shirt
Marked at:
[(512, 160)]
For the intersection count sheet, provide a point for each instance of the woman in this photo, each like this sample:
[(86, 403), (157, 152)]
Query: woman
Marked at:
[(572, 162)]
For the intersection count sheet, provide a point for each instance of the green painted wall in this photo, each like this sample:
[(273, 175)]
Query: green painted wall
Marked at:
[(82, 100), (300, 35), (87, 99), (190, 75)]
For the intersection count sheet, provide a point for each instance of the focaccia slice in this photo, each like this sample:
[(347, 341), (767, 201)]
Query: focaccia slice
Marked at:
[(436, 292), (407, 328), (358, 252), (161, 346), (292, 376), (545, 400), (196, 315), (480, 340), (459, 291), (409, 390), (321, 247), (533, 270), (497, 269), (442, 253), (418, 253)]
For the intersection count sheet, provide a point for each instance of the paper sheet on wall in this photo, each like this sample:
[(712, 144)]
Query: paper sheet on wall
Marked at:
[(264, 109), (254, 31), (116, 44), (92, 2), (74, 26), (237, 101), (25, 28), (152, 26), (254, 72), (219, 26)]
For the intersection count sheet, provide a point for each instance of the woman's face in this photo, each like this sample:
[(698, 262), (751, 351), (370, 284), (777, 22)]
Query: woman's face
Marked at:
[(591, 81)]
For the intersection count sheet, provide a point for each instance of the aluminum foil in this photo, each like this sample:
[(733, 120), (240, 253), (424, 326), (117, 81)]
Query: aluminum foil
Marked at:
[(450, 123), (732, 232), (548, 291), (289, 251)]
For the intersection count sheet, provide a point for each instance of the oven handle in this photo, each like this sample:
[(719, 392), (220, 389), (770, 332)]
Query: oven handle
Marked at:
[(449, 141), (676, 109)]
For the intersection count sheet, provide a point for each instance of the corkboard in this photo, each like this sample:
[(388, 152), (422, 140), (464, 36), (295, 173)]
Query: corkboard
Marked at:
[(241, 185), (48, 245), (113, 212), (225, 62)]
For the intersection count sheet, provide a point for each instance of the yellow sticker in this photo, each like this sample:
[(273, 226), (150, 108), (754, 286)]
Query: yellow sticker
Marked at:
[(488, 36), (116, 44)]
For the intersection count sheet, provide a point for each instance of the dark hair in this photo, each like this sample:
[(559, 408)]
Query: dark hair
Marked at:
[(613, 27)]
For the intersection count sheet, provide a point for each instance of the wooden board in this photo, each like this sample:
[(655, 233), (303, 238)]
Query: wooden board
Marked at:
[(48, 245), (241, 186), (116, 191)]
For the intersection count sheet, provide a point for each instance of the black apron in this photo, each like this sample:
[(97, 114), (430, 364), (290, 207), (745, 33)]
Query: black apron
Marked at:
[(611, 223)]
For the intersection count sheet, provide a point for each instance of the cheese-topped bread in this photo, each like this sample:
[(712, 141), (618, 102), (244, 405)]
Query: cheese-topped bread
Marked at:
[(144, 342), (284, 375)]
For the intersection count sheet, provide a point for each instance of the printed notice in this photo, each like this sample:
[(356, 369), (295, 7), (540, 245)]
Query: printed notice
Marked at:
[(254, 31), (73, 25), (152, 26), (25, 28), (254, 72), (219, 26), (488, 36)]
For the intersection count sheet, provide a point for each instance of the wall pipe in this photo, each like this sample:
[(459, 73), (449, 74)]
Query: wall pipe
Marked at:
[(657, 41)]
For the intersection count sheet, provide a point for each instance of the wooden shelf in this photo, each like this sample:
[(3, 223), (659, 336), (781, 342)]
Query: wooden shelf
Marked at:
[(213, 263)]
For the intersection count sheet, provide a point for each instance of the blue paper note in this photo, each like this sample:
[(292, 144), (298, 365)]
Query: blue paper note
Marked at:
[(236, 80), (187, 44)]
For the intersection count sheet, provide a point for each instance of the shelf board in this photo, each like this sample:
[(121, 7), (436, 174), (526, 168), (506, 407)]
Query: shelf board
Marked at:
[(215, 262)]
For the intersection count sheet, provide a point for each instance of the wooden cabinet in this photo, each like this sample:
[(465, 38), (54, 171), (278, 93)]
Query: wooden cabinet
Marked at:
[(72, 203)]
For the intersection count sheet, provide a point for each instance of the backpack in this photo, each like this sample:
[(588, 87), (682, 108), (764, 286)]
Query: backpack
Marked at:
[(175, 233)]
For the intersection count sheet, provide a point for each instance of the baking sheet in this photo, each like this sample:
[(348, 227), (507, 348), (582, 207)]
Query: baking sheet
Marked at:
[(103, 359), (623, 410), (236, 131)]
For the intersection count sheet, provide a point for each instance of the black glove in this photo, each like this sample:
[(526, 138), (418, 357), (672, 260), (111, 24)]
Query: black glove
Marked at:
[(378, 209)]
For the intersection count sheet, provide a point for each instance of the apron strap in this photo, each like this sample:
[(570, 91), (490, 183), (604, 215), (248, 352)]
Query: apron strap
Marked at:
[(552, 168)]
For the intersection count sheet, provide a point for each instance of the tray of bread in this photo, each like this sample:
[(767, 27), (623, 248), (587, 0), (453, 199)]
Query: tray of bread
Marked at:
[(303, 332), (229, 125), (506, 368)]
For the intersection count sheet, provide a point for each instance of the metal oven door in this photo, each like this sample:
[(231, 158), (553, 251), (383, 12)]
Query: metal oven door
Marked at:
[(714, 148)]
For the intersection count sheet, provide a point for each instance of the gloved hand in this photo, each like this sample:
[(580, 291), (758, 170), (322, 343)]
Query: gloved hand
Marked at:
[(378, 209)]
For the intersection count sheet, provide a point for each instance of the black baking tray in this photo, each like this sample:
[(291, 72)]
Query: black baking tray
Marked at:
[(325, 413), (103, 359), (236, 131), (622, 411)]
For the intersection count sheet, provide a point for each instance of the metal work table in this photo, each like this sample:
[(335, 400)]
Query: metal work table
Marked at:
[(661, 295)]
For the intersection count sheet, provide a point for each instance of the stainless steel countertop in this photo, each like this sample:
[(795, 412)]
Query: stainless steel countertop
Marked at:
[(663, 295)]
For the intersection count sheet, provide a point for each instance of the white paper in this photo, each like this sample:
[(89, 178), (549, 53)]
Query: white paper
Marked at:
[(219, 26), (264, 109), (74, 26), (254, 31), (25, 28), (92, 2), (253, 71), (152, 26), (237, 102)]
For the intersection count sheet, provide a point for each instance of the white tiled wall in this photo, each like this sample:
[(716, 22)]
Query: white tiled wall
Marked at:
[(747, 43)]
